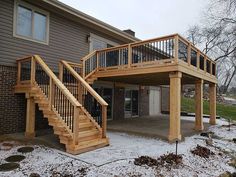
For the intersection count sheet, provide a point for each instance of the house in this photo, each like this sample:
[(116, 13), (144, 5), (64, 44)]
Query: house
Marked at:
[(78, 72)]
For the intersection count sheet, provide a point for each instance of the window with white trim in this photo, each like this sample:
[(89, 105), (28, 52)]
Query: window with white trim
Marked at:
[(31, 23)]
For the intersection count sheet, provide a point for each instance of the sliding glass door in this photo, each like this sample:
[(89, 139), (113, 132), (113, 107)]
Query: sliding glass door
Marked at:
[(131, 103)]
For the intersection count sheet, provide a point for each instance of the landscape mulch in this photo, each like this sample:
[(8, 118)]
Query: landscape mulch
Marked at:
[(164, 160), (202, 151)]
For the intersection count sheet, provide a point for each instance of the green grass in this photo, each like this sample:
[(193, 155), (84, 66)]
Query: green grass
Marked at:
[(225, 111)]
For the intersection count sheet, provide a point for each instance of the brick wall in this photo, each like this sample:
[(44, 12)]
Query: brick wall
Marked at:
[(144, 101), (119, 102), (13, 106), (165, 99)]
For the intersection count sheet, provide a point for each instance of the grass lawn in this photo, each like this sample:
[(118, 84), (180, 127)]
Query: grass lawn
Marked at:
[(225, 111)]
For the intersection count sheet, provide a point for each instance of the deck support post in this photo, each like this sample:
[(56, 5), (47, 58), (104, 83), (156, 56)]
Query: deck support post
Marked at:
[(199, 105), (30, 117), (175, 106), (212, 95)]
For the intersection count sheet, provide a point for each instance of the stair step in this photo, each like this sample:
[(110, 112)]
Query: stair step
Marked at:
[(87, 146), (58, 132), (48, 112), (88, 133), (93, 142), (85, 125)]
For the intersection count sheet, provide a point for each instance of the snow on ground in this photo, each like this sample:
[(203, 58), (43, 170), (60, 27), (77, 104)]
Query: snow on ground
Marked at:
[(117, 159), (230, 100)]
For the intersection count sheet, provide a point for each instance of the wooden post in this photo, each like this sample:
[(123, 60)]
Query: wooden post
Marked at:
[(104, 121), (60, 71), (199, 105), (97, 55), (83, 69), (32, 72), (176, 48), (76, 126), (189, 54), (18, 72), (212, 95), (205, 59), (129, 56), (30, 117), (175, 106), (51, 93), (198, 59)]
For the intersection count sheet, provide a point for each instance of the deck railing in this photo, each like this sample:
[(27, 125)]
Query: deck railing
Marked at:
[(96, 106), (167, 49), (32, 70)]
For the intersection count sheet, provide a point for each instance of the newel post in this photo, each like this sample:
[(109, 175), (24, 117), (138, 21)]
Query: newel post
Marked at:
[(83, 68), (18, 72), (129, 55), (60, 72), (97, 56), (176, 47), (189, 54), (32, 72), (76, 125), (104, 121), (51, 93)]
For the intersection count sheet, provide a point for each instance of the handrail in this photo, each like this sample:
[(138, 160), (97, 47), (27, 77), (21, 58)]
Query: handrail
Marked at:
[(89, 55), (84, 87), (60, 85), (75, 64), (85, 84)]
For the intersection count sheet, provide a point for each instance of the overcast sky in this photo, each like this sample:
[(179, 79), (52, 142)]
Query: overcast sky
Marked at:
[(148, 18)]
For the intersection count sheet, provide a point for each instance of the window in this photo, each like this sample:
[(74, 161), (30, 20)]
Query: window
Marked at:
[(31, 23)]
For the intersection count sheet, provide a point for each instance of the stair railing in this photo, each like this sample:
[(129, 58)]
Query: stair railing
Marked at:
[(37, 73), (84, 92)]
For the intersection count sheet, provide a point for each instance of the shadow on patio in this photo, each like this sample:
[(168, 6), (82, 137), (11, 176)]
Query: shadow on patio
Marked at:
[(153, 126)]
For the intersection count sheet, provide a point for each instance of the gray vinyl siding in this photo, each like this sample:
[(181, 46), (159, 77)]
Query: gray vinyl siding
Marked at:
[(67, 39)]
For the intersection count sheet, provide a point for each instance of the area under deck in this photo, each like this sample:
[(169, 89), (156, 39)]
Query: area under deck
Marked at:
[(152, 126)]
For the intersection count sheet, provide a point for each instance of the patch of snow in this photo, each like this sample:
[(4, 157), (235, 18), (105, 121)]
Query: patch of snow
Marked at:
[(229, 99), (117, 159)]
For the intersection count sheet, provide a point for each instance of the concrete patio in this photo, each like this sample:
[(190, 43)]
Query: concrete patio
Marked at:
[(153, 126)]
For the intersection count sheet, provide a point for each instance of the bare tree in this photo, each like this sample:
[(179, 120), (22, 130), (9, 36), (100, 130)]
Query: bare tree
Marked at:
[(217, 38)]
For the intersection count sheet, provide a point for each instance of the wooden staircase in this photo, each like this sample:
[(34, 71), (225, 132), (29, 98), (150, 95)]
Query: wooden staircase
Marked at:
[(73, 124)]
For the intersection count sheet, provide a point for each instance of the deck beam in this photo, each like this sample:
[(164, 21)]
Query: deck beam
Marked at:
[(175, 106), (199, 105)]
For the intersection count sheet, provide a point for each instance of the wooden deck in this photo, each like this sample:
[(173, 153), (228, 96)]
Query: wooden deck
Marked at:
[(150, 62), (169, 60)]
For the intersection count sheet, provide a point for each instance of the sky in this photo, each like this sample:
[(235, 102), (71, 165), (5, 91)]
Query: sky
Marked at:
[(148, 18)]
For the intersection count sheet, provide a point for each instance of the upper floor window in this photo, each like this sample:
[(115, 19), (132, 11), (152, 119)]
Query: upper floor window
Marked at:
[(31, 23)]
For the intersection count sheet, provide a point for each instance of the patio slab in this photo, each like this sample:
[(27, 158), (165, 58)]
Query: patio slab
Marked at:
[(154, 126)]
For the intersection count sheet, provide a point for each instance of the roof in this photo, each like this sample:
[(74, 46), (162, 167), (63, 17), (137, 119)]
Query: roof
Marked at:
[(91, 20)]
